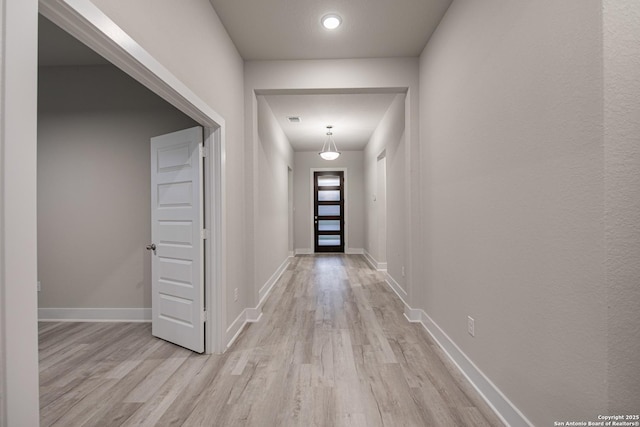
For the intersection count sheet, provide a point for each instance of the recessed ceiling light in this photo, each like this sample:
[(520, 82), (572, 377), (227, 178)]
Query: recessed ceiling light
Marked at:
[(331, 21)]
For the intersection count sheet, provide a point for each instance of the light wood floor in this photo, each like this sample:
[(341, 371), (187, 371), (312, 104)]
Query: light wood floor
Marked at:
[(332, 349)]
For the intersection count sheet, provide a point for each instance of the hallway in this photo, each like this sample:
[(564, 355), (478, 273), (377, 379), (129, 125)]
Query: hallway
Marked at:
[(332, 348)]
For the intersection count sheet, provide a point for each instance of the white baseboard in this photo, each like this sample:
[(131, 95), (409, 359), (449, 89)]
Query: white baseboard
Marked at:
[(94, 314), (501, 405), (235, 328), (380, 266), (266, 288), (251, 314), (348, 251), (395, 286)]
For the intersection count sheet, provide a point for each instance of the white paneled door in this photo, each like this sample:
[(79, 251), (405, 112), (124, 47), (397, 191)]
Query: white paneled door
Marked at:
[(177, 233)]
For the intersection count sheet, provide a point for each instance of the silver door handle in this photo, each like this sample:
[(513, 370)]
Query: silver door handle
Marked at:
[(151, 247)]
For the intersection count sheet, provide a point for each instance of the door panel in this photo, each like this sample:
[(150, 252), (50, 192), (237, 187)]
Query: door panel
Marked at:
[(177, 267), (328, 211)]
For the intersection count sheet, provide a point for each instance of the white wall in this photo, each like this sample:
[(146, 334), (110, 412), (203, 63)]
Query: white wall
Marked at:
[(389, 137), (622, 201), (275, 157), (18, 249), (511, 132), (94, 126), (354, 197), (190, 41)]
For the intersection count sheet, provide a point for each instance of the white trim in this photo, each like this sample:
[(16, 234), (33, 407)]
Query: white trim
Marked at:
[(215, 216), (94, 315), (86, 22), (235, 328), (399, 290), (380, 266), (246, 316), (253, 315), (347, 251), (266, 288), (497, 401), (18, 214)]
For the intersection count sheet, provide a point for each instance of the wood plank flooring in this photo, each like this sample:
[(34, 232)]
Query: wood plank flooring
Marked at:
[(332, 349)]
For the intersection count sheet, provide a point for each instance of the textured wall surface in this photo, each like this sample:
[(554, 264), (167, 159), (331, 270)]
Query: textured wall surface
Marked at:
[(622, 202), (511, 132)]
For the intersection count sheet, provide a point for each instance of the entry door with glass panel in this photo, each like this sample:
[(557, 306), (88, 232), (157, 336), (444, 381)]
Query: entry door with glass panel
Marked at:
[(328, 211)]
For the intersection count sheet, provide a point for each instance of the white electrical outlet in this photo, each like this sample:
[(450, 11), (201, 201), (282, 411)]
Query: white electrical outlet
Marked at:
[(471, 326), (39, 286), (403, 271), (235, 294)]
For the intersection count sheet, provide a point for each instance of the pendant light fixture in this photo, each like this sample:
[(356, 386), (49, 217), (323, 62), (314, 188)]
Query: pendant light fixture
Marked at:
[(329, 149)]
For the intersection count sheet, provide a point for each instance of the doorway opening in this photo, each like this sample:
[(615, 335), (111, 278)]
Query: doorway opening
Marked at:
[(290, 209), (87, 25), (381, 184)]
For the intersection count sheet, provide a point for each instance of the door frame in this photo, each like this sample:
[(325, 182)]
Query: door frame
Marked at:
[(381, 208), (91, 26), (346, 208), (290, 209)]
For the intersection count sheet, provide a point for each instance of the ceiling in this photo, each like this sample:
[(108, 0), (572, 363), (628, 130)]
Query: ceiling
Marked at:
[(286, 29), (354, 117)]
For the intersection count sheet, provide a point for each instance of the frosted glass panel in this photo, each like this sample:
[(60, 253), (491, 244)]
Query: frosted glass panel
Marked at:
[(329, 210), (329, 240), (328, 181), (329, 225), (329, 196)]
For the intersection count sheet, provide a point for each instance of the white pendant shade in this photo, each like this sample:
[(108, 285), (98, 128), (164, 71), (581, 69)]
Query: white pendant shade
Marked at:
[(329, 155), (329, 150)]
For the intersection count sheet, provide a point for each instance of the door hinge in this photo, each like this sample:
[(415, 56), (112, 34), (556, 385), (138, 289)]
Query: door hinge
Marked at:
[(203, 151), (203, 316), (204, 234)]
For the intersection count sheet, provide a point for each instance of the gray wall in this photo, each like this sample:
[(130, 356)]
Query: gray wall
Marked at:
[(511, 130), (389, 137), (274, 158), (354, 196), (198, 51), (622, 201), (94, 125)]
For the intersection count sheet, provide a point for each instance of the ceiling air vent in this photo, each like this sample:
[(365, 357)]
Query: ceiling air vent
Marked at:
[(294, 119)]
